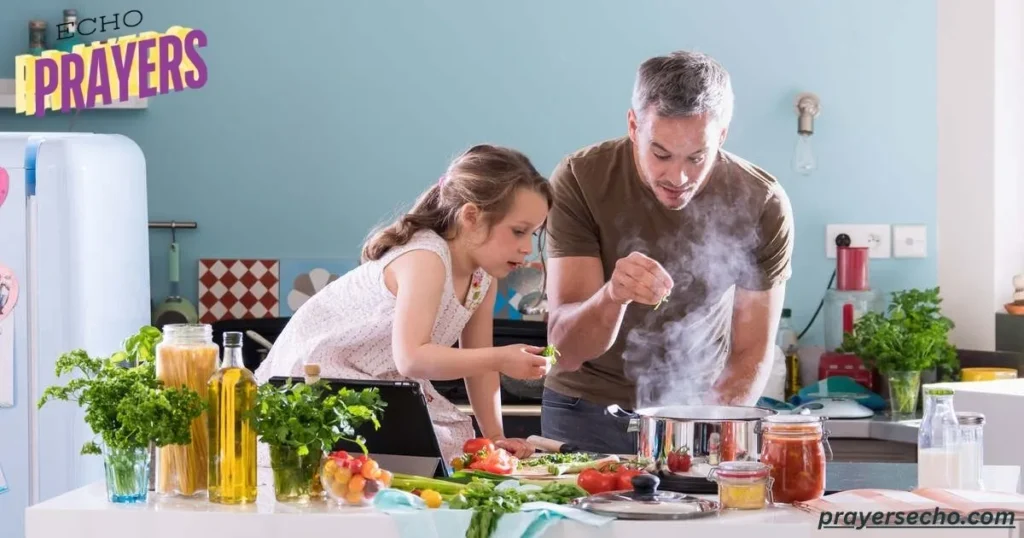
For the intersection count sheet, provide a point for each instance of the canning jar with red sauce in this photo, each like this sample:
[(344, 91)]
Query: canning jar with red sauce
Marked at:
[(794, 447)]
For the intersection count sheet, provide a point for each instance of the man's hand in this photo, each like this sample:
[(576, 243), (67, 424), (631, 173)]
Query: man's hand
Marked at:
[(639, 278)]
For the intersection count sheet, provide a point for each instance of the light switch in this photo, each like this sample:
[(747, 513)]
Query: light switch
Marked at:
[(910, 241)]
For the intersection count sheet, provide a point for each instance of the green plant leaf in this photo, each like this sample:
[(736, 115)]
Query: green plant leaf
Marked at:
[(911, 335)]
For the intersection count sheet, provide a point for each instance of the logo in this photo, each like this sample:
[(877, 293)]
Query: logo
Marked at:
[(100, 73)]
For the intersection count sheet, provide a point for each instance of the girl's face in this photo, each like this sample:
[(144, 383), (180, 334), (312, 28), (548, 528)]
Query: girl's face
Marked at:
[(504, 246)]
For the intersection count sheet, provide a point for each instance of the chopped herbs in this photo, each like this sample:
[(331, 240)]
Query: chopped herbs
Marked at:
[(549, 459)]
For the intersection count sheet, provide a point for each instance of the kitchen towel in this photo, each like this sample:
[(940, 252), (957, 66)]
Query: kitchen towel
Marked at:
[(414, 520)]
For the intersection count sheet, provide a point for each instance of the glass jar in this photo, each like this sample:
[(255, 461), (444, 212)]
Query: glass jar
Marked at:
[(793, 446), (742, 485), (972, 453), (938, 441), (186, 357)]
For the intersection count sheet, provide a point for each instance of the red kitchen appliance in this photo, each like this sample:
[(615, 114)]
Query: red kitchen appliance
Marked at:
[(850, 299)]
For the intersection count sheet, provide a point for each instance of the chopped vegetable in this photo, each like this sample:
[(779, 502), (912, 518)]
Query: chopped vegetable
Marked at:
[(548, 459), (559, 469), (473, 446), (551, 353), (662, 301)]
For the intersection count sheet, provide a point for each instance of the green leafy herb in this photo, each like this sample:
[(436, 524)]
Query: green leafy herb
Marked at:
[(125, 404), (912, 335), (311, 417), (551, 352), (662, 301), (489, 503), (548, 459)]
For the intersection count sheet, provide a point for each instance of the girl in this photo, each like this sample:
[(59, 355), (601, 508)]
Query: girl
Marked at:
[(427, 281)]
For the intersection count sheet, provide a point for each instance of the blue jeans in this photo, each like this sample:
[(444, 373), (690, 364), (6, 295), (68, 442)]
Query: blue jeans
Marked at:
[(584, 424)]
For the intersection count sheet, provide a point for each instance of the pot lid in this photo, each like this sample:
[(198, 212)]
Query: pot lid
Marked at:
[(646, 502)]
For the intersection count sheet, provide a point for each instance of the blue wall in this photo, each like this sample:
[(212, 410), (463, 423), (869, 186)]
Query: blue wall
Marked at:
[(319, 121)]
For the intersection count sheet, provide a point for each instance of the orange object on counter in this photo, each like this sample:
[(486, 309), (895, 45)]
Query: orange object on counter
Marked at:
[(794, 447)]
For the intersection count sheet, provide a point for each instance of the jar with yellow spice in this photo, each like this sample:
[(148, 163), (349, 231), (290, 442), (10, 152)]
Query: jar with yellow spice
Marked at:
[(187, 356), (742, 485)]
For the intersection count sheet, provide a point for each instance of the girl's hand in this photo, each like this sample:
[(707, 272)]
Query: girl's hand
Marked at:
[(520, 361), (520, 448)]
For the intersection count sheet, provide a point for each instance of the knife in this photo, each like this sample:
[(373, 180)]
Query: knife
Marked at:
[(559, 447)]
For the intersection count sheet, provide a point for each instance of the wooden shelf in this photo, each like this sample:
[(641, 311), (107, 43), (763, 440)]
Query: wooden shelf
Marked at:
[(7, 86)]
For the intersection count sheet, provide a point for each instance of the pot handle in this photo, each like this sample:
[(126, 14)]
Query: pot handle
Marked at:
[(616, 411)]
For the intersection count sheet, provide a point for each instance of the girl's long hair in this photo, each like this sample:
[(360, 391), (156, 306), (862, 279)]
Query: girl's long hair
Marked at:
[(485, 175)]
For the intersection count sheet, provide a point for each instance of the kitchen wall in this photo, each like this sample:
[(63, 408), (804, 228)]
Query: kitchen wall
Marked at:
[(322, 118)]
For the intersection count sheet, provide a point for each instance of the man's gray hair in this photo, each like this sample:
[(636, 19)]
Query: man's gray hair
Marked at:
[(683, 84)]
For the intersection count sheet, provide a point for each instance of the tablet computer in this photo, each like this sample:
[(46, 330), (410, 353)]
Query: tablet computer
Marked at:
[(406, 442)]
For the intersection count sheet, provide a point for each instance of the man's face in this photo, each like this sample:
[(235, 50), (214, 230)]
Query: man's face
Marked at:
[(675, 155)]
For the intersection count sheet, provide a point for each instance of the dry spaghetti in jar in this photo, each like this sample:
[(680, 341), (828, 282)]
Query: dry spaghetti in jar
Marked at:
[(186, 357)]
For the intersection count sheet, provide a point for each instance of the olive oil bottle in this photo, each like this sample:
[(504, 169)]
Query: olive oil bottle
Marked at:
[(232, 394)]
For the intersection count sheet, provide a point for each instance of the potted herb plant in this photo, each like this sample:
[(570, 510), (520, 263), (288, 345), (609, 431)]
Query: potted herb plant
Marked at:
[(128, 408), (911, 336), (300, 422)]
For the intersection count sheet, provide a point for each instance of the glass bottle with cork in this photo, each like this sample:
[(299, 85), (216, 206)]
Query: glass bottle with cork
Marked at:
[(67, 31), (36, 37), (232, 396)]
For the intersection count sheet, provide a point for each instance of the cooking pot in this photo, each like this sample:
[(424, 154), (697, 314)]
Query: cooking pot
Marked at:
[(711, 434)]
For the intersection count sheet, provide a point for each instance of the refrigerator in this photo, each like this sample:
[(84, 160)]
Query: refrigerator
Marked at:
[(74, 265)]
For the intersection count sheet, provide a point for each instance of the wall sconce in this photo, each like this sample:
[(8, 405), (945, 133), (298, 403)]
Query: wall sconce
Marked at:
[(808, 106)]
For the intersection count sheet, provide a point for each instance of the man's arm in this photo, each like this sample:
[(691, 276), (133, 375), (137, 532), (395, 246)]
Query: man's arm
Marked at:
[(757, 307), (755, 321), (583, 320)]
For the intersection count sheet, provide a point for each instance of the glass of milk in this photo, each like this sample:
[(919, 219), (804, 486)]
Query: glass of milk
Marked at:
[(938, 442)]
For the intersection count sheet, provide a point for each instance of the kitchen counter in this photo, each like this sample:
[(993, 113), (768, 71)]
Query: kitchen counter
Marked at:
[(880, 427), (85, 513)]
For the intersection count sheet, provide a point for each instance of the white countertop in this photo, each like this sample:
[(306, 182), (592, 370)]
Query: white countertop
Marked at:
[(85, 513)]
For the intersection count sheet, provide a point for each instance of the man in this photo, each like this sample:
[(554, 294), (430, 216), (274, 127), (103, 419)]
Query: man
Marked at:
[(668, 259)]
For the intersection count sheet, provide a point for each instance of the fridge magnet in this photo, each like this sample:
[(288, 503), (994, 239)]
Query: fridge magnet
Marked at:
[(5, 184), (303, 278), (8, 291), (238, 289)]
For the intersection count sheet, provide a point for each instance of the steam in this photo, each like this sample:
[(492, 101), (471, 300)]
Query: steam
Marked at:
[(675, 354)]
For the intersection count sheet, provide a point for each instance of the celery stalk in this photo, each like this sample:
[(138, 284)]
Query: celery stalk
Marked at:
[(406, 482)]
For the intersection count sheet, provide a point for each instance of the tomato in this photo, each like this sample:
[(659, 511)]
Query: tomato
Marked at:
[(497, 461), (594, 481), (679, 461), (480, 444), (624, 477), (356, 465), (339, 455)]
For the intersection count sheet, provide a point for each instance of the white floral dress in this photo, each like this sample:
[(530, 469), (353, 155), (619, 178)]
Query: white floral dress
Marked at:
[(346, 329)]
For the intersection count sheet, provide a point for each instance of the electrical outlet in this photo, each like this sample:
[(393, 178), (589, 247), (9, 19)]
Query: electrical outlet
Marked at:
[(910, 241), (877, 237)]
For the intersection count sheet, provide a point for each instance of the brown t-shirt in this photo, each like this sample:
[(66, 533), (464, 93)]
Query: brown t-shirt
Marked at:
[(736, 232)]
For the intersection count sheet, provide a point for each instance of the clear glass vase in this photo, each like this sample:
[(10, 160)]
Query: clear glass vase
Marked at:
[(295, 475), (127, 474), (904, 388)]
